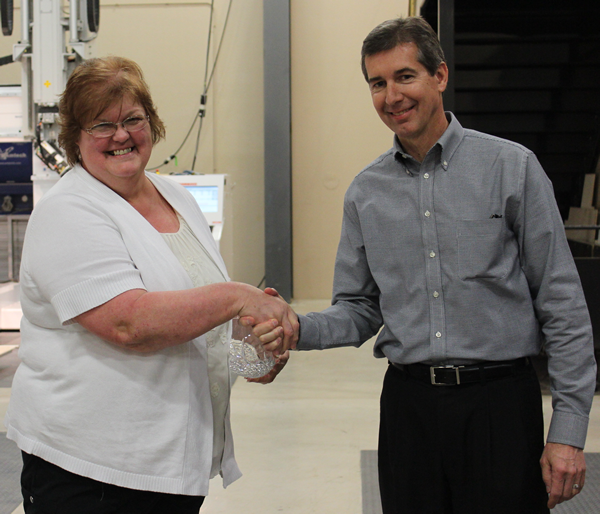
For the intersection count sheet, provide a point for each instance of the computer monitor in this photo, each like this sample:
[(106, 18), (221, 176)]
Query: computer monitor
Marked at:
[(208, 190), (207, 197)]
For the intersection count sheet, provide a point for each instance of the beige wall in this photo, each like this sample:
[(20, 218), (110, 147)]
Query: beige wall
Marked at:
[(335, 132), (239, 140)]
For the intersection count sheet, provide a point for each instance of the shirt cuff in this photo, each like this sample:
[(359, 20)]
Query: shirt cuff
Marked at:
[(93, 292), (309, 333), (568, 429)]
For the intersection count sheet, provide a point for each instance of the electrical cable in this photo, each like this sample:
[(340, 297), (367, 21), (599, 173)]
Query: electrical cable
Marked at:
[(210, 20), (203, 97), (204, 89), (208, 82), (219, 47), (174, 154), (6, 60), (197, 142), (6, 16)]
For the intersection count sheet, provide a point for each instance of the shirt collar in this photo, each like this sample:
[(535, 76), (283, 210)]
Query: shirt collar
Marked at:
[(449, 141)]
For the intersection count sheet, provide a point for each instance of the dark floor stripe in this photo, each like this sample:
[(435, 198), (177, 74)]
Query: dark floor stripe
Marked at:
[(587, 502), (10, 471)]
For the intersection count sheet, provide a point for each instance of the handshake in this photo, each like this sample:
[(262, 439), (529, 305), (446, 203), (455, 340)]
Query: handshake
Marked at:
[(276, 325)]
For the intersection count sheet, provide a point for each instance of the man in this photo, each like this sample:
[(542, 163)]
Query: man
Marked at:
[(452, 242)]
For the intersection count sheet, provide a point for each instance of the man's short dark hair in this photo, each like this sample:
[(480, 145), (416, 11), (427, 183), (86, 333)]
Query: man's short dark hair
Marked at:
[(414, 29)]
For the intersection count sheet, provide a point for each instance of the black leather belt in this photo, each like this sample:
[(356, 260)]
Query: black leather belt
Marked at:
[(457, 375)]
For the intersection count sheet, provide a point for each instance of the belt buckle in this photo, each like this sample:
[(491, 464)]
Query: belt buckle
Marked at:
[(433, 378)]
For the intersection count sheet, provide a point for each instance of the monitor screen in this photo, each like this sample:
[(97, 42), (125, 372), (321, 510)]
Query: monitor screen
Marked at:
[(206, 196)]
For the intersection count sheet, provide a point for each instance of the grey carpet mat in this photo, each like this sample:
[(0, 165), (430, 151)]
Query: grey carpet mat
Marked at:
[(10, 472), (587, 502), (371, 501)]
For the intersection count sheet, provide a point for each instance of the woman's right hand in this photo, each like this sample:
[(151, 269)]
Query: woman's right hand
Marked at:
[(265, 308), (270, 331)]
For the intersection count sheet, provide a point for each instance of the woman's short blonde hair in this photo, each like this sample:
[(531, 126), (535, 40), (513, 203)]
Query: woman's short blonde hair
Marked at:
[(94, 86)]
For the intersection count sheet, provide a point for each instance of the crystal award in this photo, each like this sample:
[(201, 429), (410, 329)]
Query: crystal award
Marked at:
[(247, 356)]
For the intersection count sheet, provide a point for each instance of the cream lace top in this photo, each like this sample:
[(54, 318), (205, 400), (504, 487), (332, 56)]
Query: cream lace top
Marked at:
[(203, 271)]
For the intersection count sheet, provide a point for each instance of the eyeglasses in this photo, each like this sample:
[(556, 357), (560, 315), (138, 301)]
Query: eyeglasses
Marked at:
[(108, 128)]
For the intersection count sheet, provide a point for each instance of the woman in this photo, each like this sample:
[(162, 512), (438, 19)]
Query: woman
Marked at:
[(121, 402)]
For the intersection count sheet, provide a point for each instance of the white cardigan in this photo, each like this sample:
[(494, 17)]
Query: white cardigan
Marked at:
[(142, 421)]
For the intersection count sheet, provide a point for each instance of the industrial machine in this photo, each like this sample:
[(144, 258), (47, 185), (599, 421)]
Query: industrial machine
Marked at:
[(56, 35), (47, 58)]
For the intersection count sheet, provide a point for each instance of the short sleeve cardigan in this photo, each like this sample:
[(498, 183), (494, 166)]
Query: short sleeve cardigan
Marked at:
[(142, 421)]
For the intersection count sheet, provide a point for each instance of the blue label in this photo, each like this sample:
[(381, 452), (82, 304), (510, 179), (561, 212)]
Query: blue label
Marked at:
[(16, 163)]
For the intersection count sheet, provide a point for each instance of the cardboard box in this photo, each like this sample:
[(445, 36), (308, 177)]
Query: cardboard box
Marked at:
[(587, 198), (582, 216)]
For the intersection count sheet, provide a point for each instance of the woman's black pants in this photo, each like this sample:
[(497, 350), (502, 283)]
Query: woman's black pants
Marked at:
[(49, 489)]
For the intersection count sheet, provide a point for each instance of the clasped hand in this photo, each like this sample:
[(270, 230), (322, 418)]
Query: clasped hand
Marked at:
[(278, 335), (274, 321)]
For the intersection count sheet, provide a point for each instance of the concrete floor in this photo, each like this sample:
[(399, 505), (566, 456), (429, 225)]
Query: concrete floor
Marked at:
[(298, 440)]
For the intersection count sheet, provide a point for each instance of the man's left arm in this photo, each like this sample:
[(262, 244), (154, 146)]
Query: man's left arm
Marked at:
[(561, 310)]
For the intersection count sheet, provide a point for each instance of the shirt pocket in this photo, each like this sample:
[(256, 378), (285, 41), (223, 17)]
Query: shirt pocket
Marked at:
[(481, 252)]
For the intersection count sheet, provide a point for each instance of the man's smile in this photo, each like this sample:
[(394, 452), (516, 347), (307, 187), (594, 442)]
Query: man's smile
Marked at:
[(400, 113)]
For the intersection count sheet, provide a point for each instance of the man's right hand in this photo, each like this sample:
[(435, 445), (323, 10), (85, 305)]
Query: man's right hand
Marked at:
[(278, 323), (268, 333)]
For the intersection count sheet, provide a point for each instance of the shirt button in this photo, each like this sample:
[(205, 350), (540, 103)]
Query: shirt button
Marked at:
[(426, 175), (445, 163), (432, 254), (438, 334), (215, 390), (427, 214), (436, 294)]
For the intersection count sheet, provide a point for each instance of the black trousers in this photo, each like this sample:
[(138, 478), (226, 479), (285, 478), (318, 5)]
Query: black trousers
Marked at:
[(49, 489), (467, 449)]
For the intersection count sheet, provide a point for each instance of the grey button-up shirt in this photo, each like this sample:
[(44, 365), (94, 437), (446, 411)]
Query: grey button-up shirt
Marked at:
[(462, 258)]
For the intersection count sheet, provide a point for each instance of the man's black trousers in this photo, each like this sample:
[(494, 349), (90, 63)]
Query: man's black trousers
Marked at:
[(464, 449)]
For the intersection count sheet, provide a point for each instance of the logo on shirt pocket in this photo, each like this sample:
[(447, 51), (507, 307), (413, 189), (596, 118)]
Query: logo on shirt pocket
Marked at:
[(481, 249)]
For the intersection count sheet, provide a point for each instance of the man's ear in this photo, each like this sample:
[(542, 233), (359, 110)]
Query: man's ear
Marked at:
[(442, 77)]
